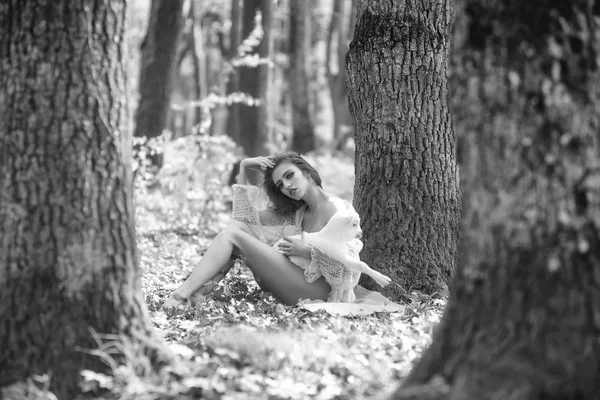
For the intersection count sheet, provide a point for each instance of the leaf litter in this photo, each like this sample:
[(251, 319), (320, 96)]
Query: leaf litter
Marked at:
[(240, 343)]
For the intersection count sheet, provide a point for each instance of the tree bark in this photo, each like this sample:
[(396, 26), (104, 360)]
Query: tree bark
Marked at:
[(67, 242), (303, 136), (407, 189), (157, 64), (255, 82), (522, 321)]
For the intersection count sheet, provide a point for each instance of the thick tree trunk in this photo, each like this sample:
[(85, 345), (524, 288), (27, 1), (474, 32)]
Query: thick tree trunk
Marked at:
[(303, 137), (67, 243), (523, 318), (523, 323), (407, 189), (255, 82), (157, 64)]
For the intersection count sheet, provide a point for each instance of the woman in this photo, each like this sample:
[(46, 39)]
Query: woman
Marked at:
[(296, 202)]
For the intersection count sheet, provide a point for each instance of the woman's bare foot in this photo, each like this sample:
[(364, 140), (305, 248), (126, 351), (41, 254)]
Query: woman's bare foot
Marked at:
[(199, 296), (174, 300)]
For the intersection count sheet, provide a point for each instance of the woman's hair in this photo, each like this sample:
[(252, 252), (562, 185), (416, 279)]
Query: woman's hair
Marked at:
[(282, 203)]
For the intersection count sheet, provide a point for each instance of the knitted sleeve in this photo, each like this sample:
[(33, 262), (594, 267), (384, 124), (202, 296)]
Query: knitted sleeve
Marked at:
[(247, 202), (252, 206)]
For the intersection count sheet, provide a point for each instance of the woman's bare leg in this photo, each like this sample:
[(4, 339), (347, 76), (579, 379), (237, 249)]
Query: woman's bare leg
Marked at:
[(277, 273), (207, 287), (214, 264)]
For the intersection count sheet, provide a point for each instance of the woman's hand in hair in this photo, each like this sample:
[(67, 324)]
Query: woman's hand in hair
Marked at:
[(258, 163)]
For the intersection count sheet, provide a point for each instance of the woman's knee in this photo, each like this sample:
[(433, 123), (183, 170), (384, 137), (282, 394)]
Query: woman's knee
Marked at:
[(235, 224), (232, 234)]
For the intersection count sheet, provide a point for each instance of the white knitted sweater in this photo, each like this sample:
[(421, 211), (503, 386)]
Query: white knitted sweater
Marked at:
[(252, 206)]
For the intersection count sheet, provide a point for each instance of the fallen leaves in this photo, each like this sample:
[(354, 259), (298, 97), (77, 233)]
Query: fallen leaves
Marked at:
[(242, 344), (249, 346)]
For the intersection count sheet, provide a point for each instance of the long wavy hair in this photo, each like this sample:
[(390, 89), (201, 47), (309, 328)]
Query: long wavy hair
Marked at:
[(282, 203)]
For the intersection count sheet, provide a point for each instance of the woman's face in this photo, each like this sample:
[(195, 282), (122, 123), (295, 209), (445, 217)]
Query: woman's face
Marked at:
[(290, 180)]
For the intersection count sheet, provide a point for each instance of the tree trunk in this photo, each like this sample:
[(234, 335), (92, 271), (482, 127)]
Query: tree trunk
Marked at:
[(407, 189), (338, 36), (157, 64), (67, 242), (255, 82), (199, 52), (337, 87), (303, 136), (233, 85), (215, 53), (185, 87), (523, 318), (352, 21)]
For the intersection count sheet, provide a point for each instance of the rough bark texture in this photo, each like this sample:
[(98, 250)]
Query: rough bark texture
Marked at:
[(303, 139), (67, 243), (406, 189), (523, 318), (157, 65), (256, 120)]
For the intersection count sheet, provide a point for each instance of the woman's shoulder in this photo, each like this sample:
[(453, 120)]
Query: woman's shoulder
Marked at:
[(335, 204)]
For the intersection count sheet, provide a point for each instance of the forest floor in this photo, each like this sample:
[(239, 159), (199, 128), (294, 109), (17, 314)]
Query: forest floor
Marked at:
[(241, 343)]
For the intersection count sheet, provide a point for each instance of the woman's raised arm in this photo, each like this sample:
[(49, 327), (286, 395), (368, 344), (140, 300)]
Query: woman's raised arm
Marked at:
[(257, 163)]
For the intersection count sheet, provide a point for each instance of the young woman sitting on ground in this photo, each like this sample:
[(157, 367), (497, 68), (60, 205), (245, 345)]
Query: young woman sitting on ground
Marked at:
[(292, 201)]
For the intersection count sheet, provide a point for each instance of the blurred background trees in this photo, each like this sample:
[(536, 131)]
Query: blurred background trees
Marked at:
[(270, 74), (159, 57)]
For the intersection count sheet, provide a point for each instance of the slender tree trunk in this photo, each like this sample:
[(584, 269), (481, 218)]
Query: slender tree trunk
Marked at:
[(335, 30), (338, 36), (199, 51), (255, 82), (352, 21), (67, 243), (199, 44), (303, 137), (345, 119), (233, 86), (215, 54), (186, 86), (522, 321), (407, 189), (158, 62), (264, 134)]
